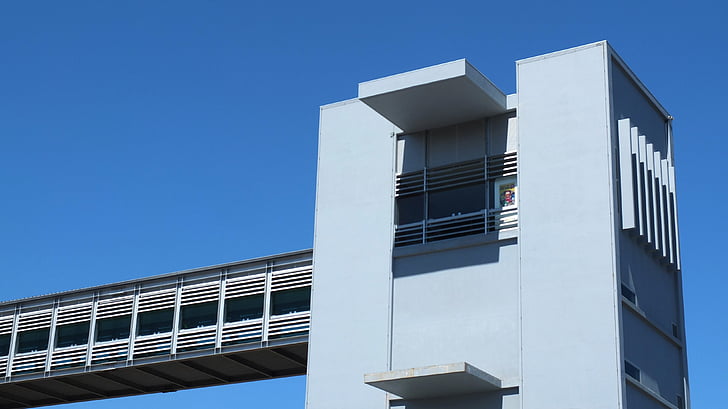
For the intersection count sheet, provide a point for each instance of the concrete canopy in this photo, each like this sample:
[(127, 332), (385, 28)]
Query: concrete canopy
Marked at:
[(433, 97), (434, 381)]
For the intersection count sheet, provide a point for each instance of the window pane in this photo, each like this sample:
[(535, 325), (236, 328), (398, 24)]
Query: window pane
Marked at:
[(36, 340), (289, 301), (199, 315), (410, 209), (72, 334), (155, 322), (4, 344), (109, 329), (455, 201), (244, 308)]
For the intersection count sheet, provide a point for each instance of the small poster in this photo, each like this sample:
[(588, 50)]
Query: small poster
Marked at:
[(506, 191)]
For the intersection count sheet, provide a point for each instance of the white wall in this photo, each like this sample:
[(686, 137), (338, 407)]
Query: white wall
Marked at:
[(570, 344), (352, 257)]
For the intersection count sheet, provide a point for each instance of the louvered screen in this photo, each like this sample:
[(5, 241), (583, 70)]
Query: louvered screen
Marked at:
[(71, 315), (199, 293), (6, 329), (35, 325), (481, 172), (248, 330), (287, 279), (114, 307), (156, 343)]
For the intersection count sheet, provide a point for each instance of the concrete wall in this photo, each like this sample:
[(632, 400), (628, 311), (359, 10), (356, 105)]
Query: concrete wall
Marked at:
[(458, 305), (352, 258), (570, 350)]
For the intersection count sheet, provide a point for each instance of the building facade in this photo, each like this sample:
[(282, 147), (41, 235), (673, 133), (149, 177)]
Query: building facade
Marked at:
[(480, 250)]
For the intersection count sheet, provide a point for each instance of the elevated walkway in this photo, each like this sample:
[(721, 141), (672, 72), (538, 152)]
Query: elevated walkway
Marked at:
[(234, 322)]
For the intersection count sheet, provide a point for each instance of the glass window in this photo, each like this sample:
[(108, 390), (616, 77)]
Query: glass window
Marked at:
[(290, 301), (632, 370), (109, 329), (72, 334), (410, 209), (4, 344), (456, 201), (155, 322), (36, 340), (244, 308), (199, 315)]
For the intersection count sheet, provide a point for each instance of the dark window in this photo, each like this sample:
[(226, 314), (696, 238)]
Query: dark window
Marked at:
[(109, 329), (632, 371), (199, 315), (155, 322), (629, 294), (244, 308), (289, 301), (675, 331), (456, 201), (680, 402), (36, 340), (410, 209), (72, 334), (4, 344)]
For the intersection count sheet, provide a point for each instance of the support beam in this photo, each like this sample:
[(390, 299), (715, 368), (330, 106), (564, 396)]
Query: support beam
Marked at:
[(249, 365), (171, 379), (121, 381), (288, 356), (83, 387), (209, 372), (42, 392)]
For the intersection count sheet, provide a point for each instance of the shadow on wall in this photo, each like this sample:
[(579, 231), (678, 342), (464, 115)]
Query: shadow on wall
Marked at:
[(490, 400), (449, 259)]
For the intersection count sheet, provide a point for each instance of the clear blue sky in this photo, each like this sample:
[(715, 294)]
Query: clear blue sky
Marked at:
[(143, 137)]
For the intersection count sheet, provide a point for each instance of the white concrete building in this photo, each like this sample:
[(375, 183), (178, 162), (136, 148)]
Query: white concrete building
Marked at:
[(480, 250)]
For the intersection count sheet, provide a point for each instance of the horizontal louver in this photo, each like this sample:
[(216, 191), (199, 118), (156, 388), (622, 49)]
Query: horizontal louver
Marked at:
[(246, 285), (451, 227), (458, 174), (242, 331), (199, 293), (502, 165), (29, 362), (410, 183), (289, 325), (72, 314), (6, 324), (196, 338), (114, 307), (156, 300), (69, 357), (152, 345), (291, 278), (110, 351), (34, 320)]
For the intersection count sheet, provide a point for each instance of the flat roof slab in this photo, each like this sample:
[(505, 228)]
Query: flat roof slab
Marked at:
[(433, 97), (434, 381)]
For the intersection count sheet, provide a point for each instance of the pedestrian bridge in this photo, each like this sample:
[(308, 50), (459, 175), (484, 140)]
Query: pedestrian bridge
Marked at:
[(234, 322)]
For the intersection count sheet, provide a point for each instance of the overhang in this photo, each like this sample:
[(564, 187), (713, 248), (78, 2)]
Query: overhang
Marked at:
[(434, 381), (433, 97)]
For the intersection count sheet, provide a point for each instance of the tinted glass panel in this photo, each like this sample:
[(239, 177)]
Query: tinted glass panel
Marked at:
[(72, 334), (632, 370), (109, 329), (36, 340), (244, 308), (289, 301), (410, 209), (4, 344), (455, 201), (156, 322), (199, 315)]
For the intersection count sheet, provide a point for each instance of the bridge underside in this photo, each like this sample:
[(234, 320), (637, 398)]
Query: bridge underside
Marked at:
[(191, 370)]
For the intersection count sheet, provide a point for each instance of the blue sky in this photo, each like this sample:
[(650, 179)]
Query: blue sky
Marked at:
[(143, 137)]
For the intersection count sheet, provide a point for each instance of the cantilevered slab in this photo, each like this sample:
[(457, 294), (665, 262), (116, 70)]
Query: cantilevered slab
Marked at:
[(433, 97), (433, 381)]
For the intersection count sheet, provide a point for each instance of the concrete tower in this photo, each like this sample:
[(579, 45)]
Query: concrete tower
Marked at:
[(481, 250)]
